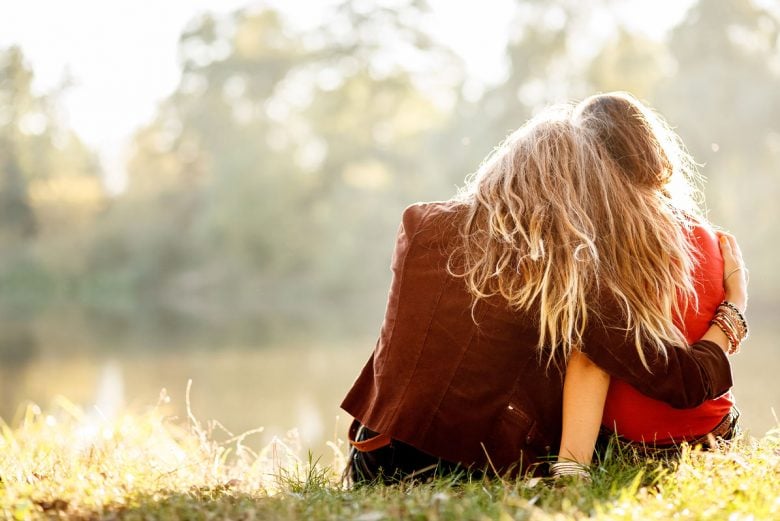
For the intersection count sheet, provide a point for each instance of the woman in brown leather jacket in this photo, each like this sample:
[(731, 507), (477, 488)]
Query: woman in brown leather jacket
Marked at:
[(548, 249)]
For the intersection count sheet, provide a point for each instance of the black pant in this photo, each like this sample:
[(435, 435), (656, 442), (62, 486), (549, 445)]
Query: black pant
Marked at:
[(393, 463)]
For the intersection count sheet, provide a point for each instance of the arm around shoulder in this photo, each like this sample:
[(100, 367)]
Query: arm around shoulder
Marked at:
[(683, 377)]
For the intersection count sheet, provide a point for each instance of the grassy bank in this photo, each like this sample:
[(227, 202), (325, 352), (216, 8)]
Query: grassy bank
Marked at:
[(65, 463)]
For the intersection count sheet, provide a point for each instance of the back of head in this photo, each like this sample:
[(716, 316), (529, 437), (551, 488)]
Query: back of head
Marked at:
[(645, 149), (528, 236), (646, 258)]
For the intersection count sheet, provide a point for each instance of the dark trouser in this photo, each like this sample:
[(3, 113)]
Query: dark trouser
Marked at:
[(726, 430), (392, 462)]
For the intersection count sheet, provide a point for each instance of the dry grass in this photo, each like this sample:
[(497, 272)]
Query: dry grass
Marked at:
[(65, 463)]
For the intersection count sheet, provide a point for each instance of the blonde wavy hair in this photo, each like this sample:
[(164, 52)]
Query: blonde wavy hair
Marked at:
[(583, 200)]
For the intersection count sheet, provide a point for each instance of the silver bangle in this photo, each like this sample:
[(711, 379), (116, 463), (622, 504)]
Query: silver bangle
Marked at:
[(569, 468)]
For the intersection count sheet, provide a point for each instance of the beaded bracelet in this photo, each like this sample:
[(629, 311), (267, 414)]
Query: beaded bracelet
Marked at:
[(738, 314), (730, 320), (735, 319), (730, 334)]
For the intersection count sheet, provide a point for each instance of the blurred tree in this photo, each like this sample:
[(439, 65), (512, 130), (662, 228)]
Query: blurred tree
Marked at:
[(280, 165), (381, 98), (50, 187), (723, 96), (16, 217), (632, 63)]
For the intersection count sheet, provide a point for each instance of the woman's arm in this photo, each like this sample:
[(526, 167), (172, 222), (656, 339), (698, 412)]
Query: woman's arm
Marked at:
[(687, 375), (735, 283), (584, 393), (586, 384)]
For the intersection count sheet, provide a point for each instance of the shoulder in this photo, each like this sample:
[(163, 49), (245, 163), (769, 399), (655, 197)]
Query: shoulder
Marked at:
[(436, 214), (421, 210), (704, 239)]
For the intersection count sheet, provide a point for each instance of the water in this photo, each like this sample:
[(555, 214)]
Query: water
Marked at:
[(241, 376), (109, 365)]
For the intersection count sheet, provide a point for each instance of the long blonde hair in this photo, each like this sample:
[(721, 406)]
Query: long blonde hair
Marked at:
[(581, 200)]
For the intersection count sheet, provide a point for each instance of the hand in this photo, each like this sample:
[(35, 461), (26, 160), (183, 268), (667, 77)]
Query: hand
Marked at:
[(734, 271)]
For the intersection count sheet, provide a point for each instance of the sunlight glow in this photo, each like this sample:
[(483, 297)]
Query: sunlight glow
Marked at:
[(107, 103)]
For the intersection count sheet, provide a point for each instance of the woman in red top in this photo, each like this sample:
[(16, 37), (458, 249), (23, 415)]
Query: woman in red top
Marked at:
[(590, 396), (639, 418)]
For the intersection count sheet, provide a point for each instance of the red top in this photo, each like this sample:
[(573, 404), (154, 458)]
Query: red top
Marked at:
[(639, 418)]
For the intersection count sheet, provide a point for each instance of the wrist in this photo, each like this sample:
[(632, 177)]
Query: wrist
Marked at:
[(738, 299), (731, 322), (561, 469)]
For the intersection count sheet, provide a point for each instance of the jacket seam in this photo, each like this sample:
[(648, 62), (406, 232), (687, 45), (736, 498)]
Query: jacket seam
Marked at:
[(417, 359), (402, 272)]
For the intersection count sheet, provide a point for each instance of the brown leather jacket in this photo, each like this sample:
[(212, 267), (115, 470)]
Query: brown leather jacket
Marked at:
[(466, 391)]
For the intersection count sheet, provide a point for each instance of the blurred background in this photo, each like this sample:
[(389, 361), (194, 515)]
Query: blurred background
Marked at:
[(210, 189)]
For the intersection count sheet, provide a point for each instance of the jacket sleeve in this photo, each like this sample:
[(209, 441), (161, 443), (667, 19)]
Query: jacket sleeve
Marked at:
[(685, 378)]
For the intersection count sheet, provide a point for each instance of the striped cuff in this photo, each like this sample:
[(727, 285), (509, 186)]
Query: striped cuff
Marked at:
[(569, 468)]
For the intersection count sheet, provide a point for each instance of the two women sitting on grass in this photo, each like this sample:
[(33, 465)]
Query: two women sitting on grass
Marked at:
[(577, 242)]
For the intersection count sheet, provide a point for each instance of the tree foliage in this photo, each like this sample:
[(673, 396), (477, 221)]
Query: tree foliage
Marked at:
[(50, 190)]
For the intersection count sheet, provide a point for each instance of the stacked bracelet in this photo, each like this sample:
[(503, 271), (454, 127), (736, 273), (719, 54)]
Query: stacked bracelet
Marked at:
[(733, 324), (560, 469)]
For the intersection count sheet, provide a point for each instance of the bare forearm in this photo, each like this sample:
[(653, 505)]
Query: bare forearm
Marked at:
[(584, 393)]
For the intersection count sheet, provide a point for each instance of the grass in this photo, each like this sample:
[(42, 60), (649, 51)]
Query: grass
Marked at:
[(67, 464)]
